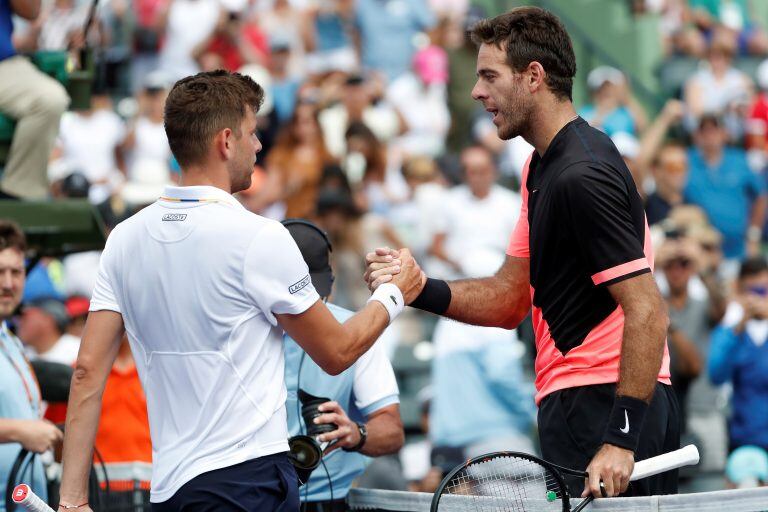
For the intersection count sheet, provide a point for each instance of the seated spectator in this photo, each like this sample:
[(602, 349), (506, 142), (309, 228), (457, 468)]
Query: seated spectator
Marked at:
[(388, 33), (718, 87), (234, 43), (146, 140), (283, 20), (670, 174), (720, 182), (331, 40), (285, 87), (35, 101), (420, 98), (613, 108), (373, 171), (177, 54), (738, 356), (294, 166), (357, 104), (90, 141), (756, 127), (43, 327), (734, 17)]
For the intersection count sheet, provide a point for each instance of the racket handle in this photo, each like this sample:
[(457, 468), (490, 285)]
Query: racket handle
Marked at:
[(687, 456), (23, 495)]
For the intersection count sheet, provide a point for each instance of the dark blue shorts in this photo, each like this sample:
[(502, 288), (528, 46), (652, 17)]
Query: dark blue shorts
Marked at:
[(266, 483)]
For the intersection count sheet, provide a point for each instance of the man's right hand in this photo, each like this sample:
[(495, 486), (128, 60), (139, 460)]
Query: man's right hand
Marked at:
[(38, 436), (380, 266), (410, 279)]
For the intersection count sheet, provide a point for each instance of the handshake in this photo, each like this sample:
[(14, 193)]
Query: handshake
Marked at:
[(386, 265)]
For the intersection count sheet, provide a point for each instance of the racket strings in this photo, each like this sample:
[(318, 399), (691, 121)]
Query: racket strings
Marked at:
[(503, 484)]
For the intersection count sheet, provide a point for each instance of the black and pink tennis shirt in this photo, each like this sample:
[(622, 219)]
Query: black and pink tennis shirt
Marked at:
[(583, 226)]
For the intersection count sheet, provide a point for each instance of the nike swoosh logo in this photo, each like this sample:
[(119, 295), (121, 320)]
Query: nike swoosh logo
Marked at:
[(625, 430), (393, 299)]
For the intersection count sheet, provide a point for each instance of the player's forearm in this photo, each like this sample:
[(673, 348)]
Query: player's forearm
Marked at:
[(385, 433), (360, 333), (489, 302), (83, 414), (642, 348)]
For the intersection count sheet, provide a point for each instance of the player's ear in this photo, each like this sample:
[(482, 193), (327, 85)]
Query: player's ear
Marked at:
[(223, 143), (535, 76)]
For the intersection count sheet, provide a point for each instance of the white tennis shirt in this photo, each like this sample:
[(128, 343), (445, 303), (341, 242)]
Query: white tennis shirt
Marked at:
[(197, 279)]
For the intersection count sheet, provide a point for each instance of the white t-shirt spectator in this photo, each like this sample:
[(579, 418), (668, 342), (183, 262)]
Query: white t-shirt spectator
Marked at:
[(151, 144), (88, 143), (190, 22), (381, 119), (198, 280), (425, 111)]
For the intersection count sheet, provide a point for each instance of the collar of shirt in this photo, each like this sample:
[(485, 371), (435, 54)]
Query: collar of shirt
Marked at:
[(198, 194)]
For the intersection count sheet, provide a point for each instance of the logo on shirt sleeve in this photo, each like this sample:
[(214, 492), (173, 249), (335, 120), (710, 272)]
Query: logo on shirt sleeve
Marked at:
[(300, 285), (174, 217)]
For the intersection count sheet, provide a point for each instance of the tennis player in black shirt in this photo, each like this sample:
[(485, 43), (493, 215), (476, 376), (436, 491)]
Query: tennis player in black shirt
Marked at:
[(580, 259)]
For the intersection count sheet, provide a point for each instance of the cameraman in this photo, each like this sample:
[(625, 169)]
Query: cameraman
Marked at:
[(364, 402), (739, 355), (36, 101)]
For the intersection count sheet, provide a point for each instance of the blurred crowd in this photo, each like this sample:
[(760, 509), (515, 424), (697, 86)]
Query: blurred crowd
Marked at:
[(369, 130)]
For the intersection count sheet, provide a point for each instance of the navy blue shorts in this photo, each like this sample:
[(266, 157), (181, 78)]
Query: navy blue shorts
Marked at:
[(266, 483)]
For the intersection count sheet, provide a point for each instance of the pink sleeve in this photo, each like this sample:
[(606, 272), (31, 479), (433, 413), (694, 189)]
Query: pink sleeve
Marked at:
[(518, 245)]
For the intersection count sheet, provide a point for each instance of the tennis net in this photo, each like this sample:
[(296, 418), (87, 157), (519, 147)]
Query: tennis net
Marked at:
[(743, 500)]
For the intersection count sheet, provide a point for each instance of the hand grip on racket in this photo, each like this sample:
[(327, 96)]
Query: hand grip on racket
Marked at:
[(23, 495), (518, 482)]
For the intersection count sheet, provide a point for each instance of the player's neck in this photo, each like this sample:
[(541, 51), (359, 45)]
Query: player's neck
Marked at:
[(549, 121), (203, 176)]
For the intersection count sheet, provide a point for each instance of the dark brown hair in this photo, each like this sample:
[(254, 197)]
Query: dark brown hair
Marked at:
[(202, 105), (531, 34), (11, 236)]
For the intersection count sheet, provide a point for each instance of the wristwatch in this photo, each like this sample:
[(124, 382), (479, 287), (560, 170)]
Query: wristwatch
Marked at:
[(363, 437)]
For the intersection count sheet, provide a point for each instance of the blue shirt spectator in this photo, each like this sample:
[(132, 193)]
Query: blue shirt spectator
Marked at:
[(6, 29), (618, 120), (726, 191), (362, 389), (387, 28), (19, 399)]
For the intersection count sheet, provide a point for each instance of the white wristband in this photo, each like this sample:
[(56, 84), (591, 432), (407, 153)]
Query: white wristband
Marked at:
[(390, 296)]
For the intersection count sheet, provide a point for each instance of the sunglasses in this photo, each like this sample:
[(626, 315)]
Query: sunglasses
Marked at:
[(678, 262)]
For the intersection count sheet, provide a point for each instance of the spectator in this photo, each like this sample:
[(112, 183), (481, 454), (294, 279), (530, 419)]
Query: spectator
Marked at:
[(284, 21), (146, 140), (739, 355), (36, 102), (77, 309), (372, 171), (234, 43), (42, 329), (177, 54), (363, 402), (718, 87), (123, 434), (387, 31), (734, 17), (692, 315), (150, 16), (20, 402), (420, 98), (756, 127), (295, 165), (720, 182), (331, 37), (357, 105), (285, 87), (670, 174), (91, 141), (479, 202), (613, 108)]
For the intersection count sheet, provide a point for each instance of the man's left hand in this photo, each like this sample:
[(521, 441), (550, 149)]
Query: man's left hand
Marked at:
[(347, 434), (611, 465)]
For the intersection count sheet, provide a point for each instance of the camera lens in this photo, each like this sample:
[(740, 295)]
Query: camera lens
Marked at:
[(309, 411)]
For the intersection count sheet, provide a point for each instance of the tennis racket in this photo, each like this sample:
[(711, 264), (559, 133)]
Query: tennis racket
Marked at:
[(518, 482), (23, 495)]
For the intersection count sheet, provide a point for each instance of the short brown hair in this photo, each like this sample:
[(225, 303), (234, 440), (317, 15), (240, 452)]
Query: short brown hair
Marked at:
[(201, 105), (11, 236), (532, 34)]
